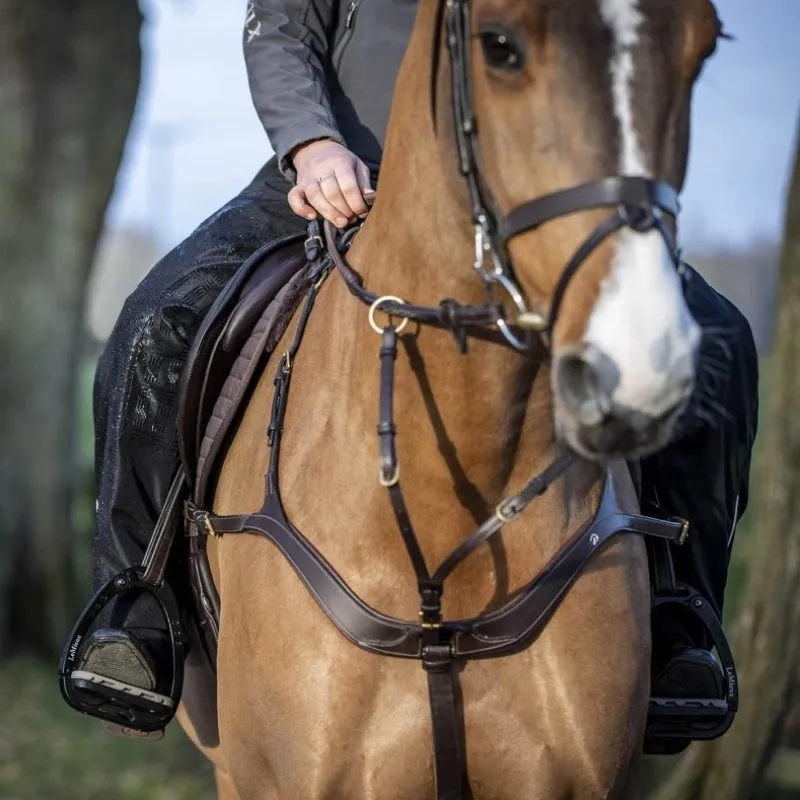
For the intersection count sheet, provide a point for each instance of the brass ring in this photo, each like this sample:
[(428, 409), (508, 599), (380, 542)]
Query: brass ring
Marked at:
[(374, 307)]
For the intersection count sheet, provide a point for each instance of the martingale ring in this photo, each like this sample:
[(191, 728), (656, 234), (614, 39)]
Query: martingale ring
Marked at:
[(374, 307)]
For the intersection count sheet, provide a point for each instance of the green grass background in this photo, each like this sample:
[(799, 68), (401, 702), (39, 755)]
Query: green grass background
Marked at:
[(50, 752)]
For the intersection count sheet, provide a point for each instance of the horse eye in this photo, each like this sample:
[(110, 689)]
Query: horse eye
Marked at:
[(501, 51)]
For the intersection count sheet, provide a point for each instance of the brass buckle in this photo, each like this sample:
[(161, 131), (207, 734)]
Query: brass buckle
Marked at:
[(202, 519), (428, 626)]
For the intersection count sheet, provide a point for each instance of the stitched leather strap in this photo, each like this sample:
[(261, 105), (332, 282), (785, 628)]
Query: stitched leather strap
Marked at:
[(618, 191), (500, 632), (449, 748), (154, 562)]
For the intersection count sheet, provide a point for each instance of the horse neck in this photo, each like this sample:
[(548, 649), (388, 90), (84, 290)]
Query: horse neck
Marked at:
[(469, 426), (417, 244)]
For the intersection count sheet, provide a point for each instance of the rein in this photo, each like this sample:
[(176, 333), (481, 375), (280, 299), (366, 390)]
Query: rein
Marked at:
[(479, 322)]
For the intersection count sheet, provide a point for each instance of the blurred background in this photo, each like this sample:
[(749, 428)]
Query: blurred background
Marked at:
[(124, 126)]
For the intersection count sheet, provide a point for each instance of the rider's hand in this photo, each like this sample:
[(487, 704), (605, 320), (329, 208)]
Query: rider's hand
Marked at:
[(331, 181)]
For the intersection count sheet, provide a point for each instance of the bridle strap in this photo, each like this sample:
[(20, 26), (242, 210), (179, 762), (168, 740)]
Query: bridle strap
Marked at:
[(459, 46), (622, 191), (635, 209)]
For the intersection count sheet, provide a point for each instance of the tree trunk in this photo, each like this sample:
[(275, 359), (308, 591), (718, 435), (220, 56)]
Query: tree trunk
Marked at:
[(766, 638), (69, 77)]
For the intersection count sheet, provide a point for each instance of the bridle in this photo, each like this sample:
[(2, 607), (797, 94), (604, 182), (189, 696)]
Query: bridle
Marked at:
[(639, 204)]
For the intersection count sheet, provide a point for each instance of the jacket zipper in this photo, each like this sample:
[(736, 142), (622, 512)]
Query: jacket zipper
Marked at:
[(349, 24)]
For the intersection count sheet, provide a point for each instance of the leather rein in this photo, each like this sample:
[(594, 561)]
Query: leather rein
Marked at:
[(444, 645)]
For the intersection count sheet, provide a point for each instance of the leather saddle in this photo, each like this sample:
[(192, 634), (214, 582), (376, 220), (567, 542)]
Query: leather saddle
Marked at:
[(223, 333)]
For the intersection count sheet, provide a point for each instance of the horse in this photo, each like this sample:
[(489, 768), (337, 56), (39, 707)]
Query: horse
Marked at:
[(504, 112)]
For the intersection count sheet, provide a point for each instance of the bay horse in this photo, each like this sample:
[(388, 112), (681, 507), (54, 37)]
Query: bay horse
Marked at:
[(511, 122)]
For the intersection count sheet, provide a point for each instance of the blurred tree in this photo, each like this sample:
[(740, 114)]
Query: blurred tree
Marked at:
[(69, 78), (766, 638)]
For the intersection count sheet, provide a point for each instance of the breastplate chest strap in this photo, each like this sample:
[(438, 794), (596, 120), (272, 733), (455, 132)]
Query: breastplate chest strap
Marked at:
[(442, 646)]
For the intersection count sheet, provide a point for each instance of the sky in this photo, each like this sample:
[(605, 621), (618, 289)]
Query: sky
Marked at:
[(196, 140)]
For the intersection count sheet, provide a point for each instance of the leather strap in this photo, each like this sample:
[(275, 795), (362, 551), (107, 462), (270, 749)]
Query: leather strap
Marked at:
[(479, 322), (389, 469), (386, 427), (154, 562), (500, 632), (450, 757), (505, 513), (621, 191)]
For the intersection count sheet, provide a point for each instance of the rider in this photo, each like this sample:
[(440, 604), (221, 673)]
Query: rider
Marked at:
[(321, 80)]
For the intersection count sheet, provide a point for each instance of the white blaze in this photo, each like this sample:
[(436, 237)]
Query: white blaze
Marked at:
[(641, 320)]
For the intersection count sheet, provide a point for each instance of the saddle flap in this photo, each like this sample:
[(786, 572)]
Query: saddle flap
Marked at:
[(230, 319), (271, 324), (262, 287)]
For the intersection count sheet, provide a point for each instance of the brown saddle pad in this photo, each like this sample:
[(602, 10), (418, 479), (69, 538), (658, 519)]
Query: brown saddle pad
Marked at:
[(223, 333)]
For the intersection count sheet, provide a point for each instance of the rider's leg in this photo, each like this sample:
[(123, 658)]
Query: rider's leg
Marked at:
[(136, 394), (703, 476)]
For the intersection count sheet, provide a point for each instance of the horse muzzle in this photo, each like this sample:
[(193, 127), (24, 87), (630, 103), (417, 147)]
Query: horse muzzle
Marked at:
[(593, 422)]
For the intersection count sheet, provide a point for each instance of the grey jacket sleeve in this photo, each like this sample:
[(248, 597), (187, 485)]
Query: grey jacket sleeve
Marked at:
[(286, 49)]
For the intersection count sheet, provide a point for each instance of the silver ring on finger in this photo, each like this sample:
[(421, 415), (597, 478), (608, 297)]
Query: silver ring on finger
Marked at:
[(325, 177)]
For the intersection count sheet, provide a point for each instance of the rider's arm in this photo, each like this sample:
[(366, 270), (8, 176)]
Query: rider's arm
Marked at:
[(286, 49)]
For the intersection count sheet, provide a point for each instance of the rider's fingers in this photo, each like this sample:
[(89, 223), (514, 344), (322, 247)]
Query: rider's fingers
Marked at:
[(317, 199), (299, 204), (333, 194), (348, 184)]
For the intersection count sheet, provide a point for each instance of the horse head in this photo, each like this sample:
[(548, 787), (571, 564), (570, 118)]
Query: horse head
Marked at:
[(563, 130)]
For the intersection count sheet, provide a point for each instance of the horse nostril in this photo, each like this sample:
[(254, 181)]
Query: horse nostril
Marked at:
[(586, 380)]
